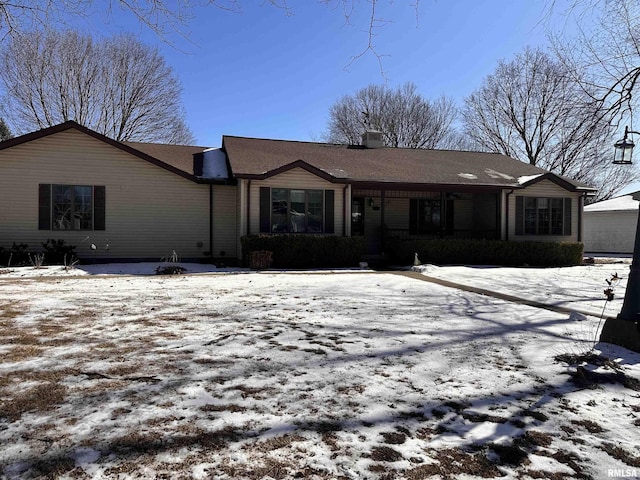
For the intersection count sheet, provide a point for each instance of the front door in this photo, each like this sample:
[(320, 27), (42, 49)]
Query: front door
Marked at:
[(357, 216)]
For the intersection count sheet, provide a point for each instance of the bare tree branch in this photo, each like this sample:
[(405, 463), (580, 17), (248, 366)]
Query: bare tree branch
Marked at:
[(168, 17), (605, 55), (532, 109), (118, 87), (404, 117)]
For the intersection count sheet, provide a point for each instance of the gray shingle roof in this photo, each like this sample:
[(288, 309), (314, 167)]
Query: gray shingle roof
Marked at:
[(178, 156), (260, 158)]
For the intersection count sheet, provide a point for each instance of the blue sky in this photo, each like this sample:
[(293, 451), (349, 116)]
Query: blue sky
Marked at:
[(263, 73)]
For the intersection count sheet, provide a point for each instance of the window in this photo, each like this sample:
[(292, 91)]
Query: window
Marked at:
[(543, 216), (428, 216), (296, 211), (425, 216), (284, 210), (71, 207)]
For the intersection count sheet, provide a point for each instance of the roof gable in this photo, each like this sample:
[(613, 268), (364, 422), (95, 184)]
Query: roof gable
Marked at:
[(173, 156), (562, 182), (295, 164)]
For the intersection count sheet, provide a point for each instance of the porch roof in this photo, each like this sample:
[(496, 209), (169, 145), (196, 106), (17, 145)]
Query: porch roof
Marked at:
[(263, 158)]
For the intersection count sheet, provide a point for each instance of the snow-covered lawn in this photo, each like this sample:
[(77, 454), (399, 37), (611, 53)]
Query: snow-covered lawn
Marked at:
[(311, 375)]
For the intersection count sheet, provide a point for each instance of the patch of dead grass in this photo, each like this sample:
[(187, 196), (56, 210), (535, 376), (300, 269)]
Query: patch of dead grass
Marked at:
[(258, 393), (265, 468), (40, 398), (231, 407), (123, 369), (276, 443), (11, 310), (385, 454), (589, 425), (453, 463), (394, 438), (621, 454), (21, 353)]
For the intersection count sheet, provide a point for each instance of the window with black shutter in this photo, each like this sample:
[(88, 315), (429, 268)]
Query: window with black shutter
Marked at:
[(71, 207)]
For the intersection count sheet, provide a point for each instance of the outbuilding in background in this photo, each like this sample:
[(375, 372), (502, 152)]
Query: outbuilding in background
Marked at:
[(610, 225)]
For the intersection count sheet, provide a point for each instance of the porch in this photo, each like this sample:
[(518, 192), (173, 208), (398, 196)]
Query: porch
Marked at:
[(382, 215)]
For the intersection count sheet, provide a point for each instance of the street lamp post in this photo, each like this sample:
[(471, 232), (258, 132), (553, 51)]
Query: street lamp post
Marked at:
[(624, 330)]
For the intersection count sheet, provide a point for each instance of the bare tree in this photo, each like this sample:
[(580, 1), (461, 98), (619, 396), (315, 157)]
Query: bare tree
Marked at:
[(405, 118), (5, 133), (604, 56), (118, 87), (532, 109)]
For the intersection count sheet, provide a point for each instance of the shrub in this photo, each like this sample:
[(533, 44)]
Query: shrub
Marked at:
[(18, 255), (170, 270), (260, 259), (56, 252), (306, 251), (485, 252)]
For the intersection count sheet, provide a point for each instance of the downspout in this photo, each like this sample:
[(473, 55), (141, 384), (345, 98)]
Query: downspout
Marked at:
[(211, 222), (248, 207), (506, 215)]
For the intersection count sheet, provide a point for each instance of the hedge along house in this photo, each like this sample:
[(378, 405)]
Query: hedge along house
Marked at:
[(378, 193), (144, 201)]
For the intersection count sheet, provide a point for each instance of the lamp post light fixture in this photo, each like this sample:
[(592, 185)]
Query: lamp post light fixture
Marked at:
[(624, 148), (624, 330)]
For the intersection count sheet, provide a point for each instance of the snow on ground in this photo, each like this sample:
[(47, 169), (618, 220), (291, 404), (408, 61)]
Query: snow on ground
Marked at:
[(311, 375)]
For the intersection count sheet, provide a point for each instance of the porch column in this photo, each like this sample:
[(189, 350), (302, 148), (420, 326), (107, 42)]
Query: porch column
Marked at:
[(382, 224), (504, 214), (241, 228), (347, 211)]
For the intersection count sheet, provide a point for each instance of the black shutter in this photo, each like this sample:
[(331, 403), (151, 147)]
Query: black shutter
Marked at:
[(265, 210), (44, 207), (449, 216), (329, 203), (519, 215), (413, 216), (99, 208), (567, 217)]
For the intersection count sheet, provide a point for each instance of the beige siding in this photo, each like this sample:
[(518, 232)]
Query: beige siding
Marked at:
[(610, 232), (150, 212), (296, 178), (464, 214), (225, 235), (549, 189), (396, 213)]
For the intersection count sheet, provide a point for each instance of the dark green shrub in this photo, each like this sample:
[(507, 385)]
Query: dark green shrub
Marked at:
[(57, 252), (306, 251), (4, 257), (485, 252), (18, 255)]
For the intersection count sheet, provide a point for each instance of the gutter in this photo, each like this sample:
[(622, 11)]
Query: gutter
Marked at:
[(211, 222)]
